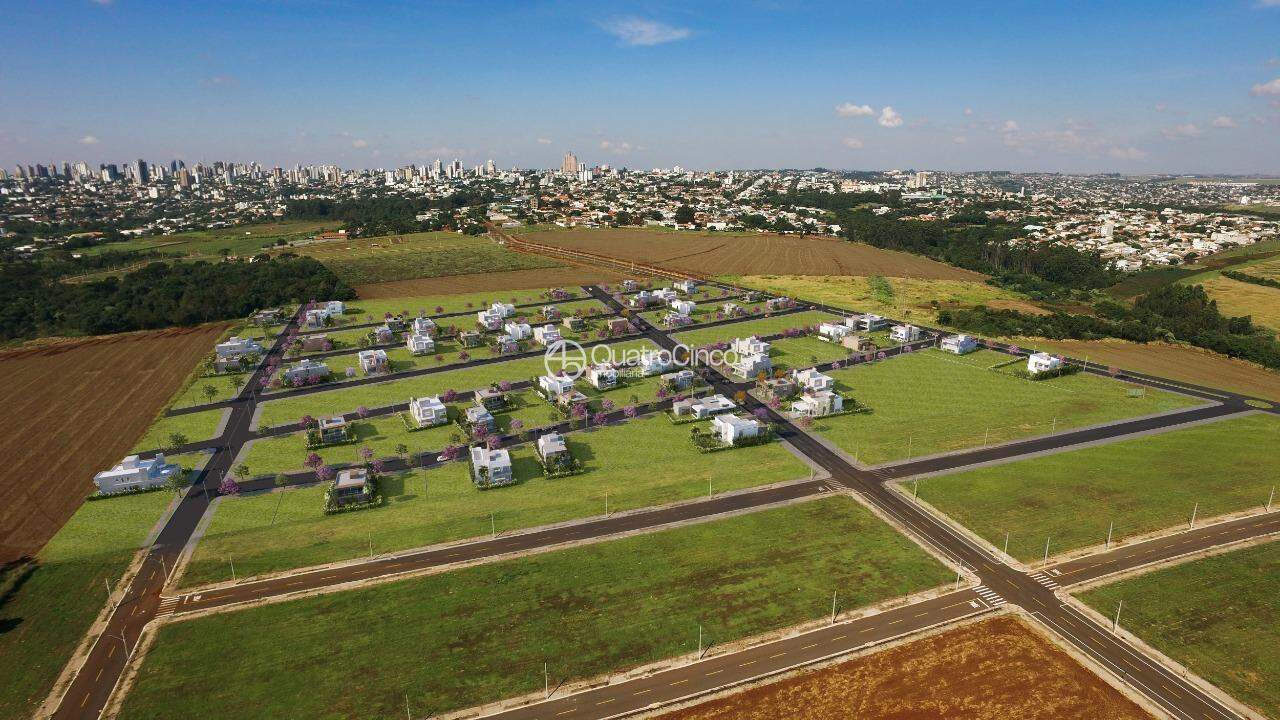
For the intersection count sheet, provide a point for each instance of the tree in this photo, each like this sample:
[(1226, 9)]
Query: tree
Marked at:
[(241, 471), (402, 450), (684, 215), (209, 392), (176, 481), (228, 486), (176, 440)]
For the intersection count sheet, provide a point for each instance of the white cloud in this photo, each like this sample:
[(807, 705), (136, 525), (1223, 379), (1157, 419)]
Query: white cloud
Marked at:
[(544, 141), (968, 111), (1127, 153), (1270, 88), (1009, 126), (852, 143), (88, 140), (617, 148), (638, 32), (359, 143), (1181, 132), (848, 109), (1224, 121), (889, 118)]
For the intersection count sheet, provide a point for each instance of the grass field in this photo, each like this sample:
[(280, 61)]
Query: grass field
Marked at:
[(224, 387), (1176, 362), (1219, 616), (792, 353), (237, 240), (458, 302), (48, 604), (73, 408), (720, 253), (417, 255), (992, 670), (763, 326), (910, 299), (479, 634), (1142, 485), (1236, 298), (1269, 268), (342, 400), (271, 532), (931, 402), (567, 277), (196, 426)]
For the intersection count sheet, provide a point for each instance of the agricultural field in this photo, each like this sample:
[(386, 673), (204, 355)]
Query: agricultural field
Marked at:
[(236, 240), (931, 402), (763, 327), (341, 399), (195, 426), (49, 602), (488, 629), (722, 253), (390, 258), (908, 299), (567, 277), (991, 670), (1237, 298), (1176, 362), (1269, 268), (285, 529), (76, 407), (1218, 616), (1142, 485)]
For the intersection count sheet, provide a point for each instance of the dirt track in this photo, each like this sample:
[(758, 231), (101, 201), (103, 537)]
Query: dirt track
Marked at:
[(74, 407)]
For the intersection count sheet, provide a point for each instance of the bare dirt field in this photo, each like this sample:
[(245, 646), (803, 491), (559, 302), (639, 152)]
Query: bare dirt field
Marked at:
[(73, 407), (1176, 362), (478, 282), (991, 670), (714, 253)]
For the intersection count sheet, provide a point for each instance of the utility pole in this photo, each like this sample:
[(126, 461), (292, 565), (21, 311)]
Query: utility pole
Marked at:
[(606, 504), (233, 568), (1110, 527), (546, 681), (1046, 551), (1194, 510), (915, 488), (110, 599), (1272, 497), (708, 486), (408, 715), (493, 526), (1006, 543), (833, 606), (986, 434), (370, 547), (1055, 424), (1116, 622), (699, 641), (123, 639)]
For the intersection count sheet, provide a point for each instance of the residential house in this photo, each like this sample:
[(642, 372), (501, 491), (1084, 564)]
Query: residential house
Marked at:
[(420, 344), (858, 343), (551, 312), (732, 429), (470, 339), (268, 317), (424, 326), (479, 416), (547, 334), (750, 366), (228, 354), (552, 447), (778, 303), (503, 310), (732, 309), (574, 323), (134, 473), (555, 385), (1042, 362), (518, 330), (316, 318), (959, 344), (688, 287), (642, 299), (780, 387), (749, 346), (602, 377), (702, 407), (628, 285), (870, 322), (810, 380), (314, 343), (428, 411), (617, 326), (665, 295), (491, 398), (489, 320), (491, 468), (832, 332), (351, 486), (506, 344), (684, 307), (334, 307), (674, 320), (567, 400), (652, 362), (333, 429), (823, 402), (383, 335), (373, 361), (904, 333), (678, 380), (306, 370)]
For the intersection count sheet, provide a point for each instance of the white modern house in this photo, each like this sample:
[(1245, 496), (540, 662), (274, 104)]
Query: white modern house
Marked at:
[(871, 322), (823, 402), (134, 473), (420, 344), (351, 486), (642, 299), (730, 309), (491, 467), (518, 330), (959, 344), (628, 285), (688, 287), (678, 380), (684, 307), (602, 377), (1042, 362), (653, 362), (750, 366), (777, 303), (504, 310), (306, 369), (228, 354), (554, 386), (551, 446), (489, 320), (547, 334), (424, 326), (334, 307), (702, 407), (749, 346), (551, 312), (732, 429), (665, 295), (904, 333), (832, 332), (478, 415), (428, 411), (373, 361), (810, 380)]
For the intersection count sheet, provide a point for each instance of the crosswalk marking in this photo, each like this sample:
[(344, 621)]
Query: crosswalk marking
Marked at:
[(1044, 580), (989, 596)]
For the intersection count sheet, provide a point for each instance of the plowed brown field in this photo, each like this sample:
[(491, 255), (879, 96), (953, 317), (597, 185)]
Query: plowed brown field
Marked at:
[(74, 407), (748, 254), (992, 670)]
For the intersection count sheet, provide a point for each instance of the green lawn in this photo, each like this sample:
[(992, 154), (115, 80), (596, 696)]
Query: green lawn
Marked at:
[(1219, 616), (47, 606), (476, 635), (224, 387), (196, 426), (341, 400), (271, 532), (802, 352), (746, 328), (930, 402), (238, 240), (1144, 484)]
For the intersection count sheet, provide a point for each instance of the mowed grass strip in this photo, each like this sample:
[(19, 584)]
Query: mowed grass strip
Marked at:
[(746, 328), (1142, 485), (642, 463), (48, 604), (1219, 616), (476, 635), (195, 427), (931, 402)]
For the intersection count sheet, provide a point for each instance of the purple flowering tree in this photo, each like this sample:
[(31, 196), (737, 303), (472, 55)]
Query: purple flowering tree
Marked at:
[(228, 486), (306, 421), (630, 411), (324, 473)]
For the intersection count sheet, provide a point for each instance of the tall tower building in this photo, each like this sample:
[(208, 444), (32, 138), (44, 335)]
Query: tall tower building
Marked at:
[(569, 166), (141, 174)]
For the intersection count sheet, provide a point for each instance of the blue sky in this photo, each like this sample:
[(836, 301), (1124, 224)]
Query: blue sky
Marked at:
[(1129, 86)]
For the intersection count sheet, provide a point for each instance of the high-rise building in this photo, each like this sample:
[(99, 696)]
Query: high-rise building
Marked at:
[(569, 166), (490, 168), (141, 174)]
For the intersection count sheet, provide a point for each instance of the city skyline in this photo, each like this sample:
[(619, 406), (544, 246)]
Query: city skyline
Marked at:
[(1084, 88)]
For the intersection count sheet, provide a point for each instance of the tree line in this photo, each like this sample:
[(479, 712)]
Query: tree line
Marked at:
[(386, 215)]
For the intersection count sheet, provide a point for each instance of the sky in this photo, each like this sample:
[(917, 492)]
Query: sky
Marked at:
[(1133, 87)]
